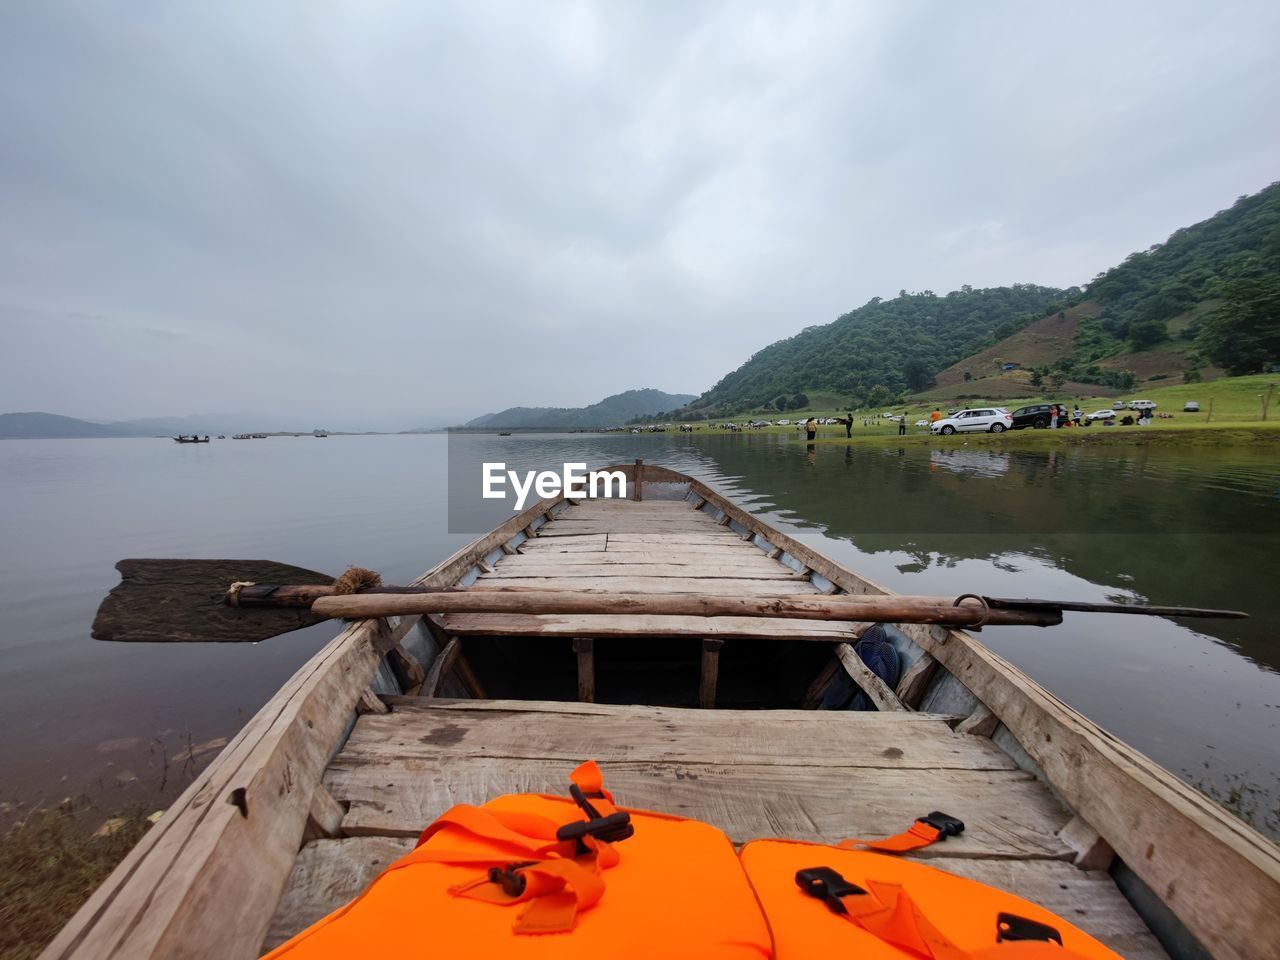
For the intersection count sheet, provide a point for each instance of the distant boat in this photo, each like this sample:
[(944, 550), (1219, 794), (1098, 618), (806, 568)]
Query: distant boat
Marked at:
[(249, 436), (191, 439), (505, 433)]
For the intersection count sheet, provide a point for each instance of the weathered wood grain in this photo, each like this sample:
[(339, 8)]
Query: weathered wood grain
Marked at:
[(326, 875), (732, 586), (669, 735), (640, 625), (1007, 813)]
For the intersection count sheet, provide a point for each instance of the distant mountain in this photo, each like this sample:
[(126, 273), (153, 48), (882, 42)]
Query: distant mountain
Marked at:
[(50, 425), (609, 412)]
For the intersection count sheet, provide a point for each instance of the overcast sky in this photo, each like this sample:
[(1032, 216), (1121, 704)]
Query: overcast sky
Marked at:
[(392, 213)]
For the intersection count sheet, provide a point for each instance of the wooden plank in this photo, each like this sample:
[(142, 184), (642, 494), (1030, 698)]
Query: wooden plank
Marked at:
[(408, 670), (746, 559), (875, 688), (739, 570), (584, 648), (981, 723), (636, 625), (717, 535), (587, 543), (717, 548), (1006, 813), (690, 532), (731, 586), (709, 674), (325, 817), (748, 571), (812, 698), (440, 666), (419, 730), (915, 680), (326, 875)]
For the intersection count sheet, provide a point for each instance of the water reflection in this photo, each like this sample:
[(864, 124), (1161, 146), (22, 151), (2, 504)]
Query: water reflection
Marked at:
[(1173, 527)]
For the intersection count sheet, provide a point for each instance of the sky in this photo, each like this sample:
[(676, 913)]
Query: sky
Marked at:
[(391, 214)]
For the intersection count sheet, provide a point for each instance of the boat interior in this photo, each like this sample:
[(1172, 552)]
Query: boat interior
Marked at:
[(715, 718)]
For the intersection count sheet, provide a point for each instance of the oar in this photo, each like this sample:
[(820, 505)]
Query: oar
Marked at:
[(253, 600)]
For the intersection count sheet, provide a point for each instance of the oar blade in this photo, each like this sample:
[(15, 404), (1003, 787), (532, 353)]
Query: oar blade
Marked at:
[(184, 601)]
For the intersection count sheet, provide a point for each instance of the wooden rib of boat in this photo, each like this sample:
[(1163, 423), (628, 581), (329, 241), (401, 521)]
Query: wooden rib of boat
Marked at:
[(395, 720)]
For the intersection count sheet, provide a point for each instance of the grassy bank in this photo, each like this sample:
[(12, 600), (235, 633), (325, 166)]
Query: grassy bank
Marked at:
[(1228, 401), (50, 861), (1171, 435)]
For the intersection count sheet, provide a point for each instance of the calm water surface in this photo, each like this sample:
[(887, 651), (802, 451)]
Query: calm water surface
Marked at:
[(128, 724)]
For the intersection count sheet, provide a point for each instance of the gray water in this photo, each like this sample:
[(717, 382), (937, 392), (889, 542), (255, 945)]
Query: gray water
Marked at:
[(131, 724)]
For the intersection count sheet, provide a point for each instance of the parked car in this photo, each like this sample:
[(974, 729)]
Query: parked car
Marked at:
[(889, 416), (1119, 405), (922, 423), (1036, 415), (1191, 406), (979, 419), (784, 423), (1100, 415), (1142, 404)]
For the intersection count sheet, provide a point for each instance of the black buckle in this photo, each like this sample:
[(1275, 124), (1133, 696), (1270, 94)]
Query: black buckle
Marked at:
[(581, 800), (944, 823), (1010, 926), (827, 885), (610, 829), (512, 881)]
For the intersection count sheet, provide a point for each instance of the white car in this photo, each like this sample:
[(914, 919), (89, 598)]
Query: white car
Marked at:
[(922, 423), (890, 416), (1119, 405), (1142, 404), (784, 423), (1191, 406), (1100, 415), (976, 420)]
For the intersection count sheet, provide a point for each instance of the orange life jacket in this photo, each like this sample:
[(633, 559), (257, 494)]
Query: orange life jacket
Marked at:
[(484, 881), (838, 902), (534, 876)]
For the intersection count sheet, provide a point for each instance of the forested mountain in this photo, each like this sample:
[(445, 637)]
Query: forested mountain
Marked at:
[(1224, 272), (885, 347), (1209, 295), (609, 412)]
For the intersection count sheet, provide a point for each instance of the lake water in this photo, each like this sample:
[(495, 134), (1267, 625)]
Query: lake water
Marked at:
[(126, 724)]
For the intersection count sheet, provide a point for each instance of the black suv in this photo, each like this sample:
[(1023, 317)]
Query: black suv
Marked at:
[(1036, 416)]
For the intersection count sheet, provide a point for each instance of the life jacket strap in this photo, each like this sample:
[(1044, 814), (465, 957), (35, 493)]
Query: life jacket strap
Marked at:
[(935, 827), (888, 912)]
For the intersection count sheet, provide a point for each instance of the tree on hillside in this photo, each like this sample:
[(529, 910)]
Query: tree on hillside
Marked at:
[(780, 402), (1243, 335), (878, 396), (917, 374), (1145, 334), (799, 401), (1037, 377)]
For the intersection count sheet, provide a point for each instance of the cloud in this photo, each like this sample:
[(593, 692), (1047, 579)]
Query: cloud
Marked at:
[(404, 210)]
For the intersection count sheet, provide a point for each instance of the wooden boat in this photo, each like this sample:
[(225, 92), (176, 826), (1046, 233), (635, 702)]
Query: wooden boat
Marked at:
[(397, 719), (191, 439)]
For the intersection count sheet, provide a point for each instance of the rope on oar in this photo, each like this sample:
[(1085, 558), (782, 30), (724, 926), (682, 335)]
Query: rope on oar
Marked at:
[(355, 579)]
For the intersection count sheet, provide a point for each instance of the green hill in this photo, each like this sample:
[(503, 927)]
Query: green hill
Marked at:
[(883, 348), (609, 412)]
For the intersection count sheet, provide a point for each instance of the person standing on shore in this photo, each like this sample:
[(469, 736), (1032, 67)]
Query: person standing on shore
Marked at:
[(1078, 415), (1053, 417), (935, 416), (811, 428), (848, 425), (902, 424)]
